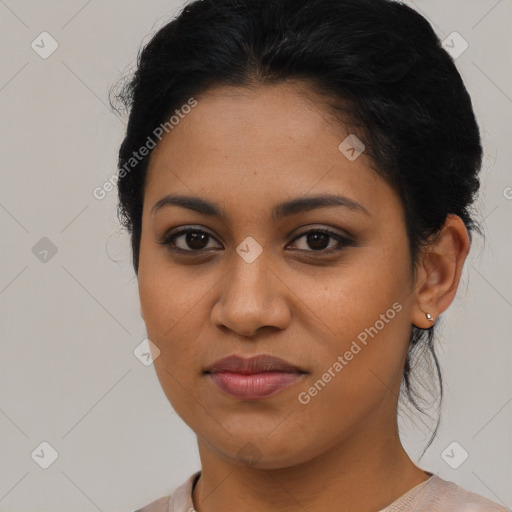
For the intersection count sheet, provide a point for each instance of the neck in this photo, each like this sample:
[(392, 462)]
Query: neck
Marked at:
[(349, 476)]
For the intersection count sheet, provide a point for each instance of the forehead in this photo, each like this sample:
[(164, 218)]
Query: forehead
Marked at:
[(228, 118), (258, 146)]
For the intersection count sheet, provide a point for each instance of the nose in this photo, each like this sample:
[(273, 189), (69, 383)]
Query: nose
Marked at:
[(252, 297)]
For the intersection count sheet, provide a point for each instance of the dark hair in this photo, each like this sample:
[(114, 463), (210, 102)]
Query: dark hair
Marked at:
[(378, 64)]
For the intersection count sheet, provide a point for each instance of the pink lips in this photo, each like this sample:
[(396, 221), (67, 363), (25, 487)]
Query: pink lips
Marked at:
[(250, 379)]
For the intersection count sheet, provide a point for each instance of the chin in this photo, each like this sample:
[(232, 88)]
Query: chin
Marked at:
[(263, 454)]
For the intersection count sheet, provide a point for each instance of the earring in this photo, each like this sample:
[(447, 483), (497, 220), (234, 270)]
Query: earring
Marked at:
[(429, 317)]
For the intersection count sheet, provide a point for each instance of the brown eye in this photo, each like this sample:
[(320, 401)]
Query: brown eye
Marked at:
[(188, 240), (321, 241), (318, 241)]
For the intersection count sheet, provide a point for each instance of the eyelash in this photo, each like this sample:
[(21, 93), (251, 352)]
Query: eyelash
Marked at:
[(169, 239)]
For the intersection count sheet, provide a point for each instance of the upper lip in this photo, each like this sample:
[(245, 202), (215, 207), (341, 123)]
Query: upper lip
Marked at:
[(257, 364)]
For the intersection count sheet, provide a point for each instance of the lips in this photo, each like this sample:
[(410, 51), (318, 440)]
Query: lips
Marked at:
[(256, 364), (254, 378)]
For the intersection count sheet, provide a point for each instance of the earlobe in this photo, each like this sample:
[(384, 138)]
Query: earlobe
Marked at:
[(440, 271)]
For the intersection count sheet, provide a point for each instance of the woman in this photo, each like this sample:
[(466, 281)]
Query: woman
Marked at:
[(296, 178)]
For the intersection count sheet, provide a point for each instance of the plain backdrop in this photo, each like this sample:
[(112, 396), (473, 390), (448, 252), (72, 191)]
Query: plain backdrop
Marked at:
[(70, 317)]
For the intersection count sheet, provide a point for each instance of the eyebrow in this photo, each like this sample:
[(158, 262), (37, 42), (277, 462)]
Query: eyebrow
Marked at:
[(279, 211)]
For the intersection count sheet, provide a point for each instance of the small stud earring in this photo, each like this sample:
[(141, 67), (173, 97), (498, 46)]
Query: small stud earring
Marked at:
[(429, 317)]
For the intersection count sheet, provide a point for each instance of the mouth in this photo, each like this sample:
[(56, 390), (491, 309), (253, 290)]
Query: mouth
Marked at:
[(258, 377)]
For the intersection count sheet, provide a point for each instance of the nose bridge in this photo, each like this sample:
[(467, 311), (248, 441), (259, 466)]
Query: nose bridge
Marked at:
[(249, 277), (250, 296)]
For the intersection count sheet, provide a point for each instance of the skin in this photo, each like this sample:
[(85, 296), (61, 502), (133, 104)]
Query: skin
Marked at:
[(248, 149)]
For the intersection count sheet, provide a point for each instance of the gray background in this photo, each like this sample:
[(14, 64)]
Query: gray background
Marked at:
[(69, 325)]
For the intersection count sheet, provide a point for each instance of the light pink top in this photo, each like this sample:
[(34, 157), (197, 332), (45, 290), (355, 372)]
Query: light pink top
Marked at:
[(432, 495)]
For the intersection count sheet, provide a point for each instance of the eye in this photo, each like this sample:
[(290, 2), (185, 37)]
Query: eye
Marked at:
[(197, 241), (318, 240), (192, 240)]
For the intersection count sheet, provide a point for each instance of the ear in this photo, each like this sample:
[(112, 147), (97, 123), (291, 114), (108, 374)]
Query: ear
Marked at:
[(439, 271)]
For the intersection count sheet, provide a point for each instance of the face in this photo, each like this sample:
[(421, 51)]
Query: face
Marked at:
[(326, 288)]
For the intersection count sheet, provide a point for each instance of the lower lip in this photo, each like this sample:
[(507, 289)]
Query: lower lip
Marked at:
[(255, 385)]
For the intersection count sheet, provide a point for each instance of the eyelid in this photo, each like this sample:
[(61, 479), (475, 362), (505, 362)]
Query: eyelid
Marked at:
[(343, 239), (183, 230), (322, 228)]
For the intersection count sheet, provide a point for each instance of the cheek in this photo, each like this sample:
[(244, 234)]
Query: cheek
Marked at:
[(174, 303), (163, 294), (353, 296), (163, 299), (167, 309), (365, 310)]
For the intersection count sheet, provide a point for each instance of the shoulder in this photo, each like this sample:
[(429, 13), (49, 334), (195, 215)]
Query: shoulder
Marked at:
[(443, 495), (160, 505), (180, 499)]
